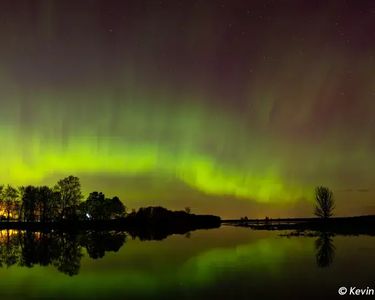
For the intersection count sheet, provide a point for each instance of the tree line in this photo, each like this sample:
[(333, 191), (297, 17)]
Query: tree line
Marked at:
[(64, 201)]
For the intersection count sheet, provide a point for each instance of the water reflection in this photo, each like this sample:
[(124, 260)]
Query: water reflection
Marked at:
[(324, 246), (64, 250), (97, 243), (224, 263), (60, 249), (325, 249)]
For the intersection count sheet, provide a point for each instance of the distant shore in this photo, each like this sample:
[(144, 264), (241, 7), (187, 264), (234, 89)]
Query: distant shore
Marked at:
[(339, 225)]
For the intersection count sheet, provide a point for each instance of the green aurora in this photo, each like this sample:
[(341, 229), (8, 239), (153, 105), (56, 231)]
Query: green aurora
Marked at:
[(206, 112)]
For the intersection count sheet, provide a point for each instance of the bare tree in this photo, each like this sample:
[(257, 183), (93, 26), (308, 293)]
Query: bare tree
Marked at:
[(324, 202)]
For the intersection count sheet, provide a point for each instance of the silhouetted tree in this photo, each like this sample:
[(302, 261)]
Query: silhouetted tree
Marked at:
[(47, 204), (324, 202), (2, 206), (114, 208), (70, 195), (29, 203), (94, 206), (97, 207), (21, 191), (188, 210), (17, 209), (39, 204), (10, 197)]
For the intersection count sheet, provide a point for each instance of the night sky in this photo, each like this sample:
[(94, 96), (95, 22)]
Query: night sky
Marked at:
[(229, 107)]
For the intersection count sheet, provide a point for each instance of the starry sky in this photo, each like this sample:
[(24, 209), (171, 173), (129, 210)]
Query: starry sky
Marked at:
[(229, 107)]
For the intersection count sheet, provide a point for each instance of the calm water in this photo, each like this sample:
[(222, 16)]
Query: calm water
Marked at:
[(224, 263)]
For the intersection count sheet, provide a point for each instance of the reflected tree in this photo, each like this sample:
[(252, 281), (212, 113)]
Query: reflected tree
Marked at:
[(29, 249), (99, 242), (48, 248), (9, 248), (63, 250), (325, 250), (69, 260)]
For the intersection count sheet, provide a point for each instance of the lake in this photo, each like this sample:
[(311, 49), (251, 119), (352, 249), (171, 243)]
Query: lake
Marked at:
[(224, 263)]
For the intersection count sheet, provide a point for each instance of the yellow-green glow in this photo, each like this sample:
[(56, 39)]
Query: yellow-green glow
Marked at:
[(82, 155), (207, 111), (210, 151)]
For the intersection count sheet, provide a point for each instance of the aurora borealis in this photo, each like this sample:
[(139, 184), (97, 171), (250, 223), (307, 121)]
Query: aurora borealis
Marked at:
[(230, 107)]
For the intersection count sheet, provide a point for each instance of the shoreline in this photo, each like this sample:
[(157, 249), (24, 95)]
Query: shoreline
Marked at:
[(339, 225)]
